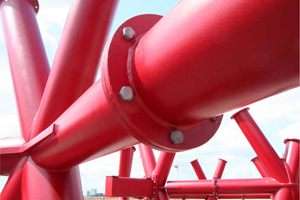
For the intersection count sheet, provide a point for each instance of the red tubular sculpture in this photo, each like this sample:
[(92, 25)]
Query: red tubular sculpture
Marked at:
[(235, 52)]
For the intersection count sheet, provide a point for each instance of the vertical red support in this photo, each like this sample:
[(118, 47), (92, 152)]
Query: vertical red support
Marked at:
[(77, 58), (162, 170), (220, 169), (292, 158), (27, 57), (262, 170), (148, 159), (261, 145), (198, 170), (126, 158)]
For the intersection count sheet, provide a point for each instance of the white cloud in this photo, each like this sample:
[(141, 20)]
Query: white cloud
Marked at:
[(9, 126), (6, 84), (292, 131)]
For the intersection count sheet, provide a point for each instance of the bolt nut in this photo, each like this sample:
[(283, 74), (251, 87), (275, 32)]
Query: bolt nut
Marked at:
[(177, 137), (126, 93), (128, 33)]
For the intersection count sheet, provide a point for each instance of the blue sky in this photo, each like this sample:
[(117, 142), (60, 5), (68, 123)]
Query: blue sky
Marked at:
[(278, 116)]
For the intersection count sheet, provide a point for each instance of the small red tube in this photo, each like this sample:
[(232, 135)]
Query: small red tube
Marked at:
[(148, 159), (220, 169), (262, 170), (163, 167), (261, 145), (198, 170)]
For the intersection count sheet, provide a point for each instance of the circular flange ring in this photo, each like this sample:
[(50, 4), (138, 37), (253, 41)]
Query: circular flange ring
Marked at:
[(134, 115)]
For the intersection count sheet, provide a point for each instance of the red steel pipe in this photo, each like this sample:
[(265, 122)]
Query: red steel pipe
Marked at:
[(222, 196), (220, 169), (89, 124), (148, 159), (198, 170), (77, 58), (27, 57), (292, 157), (208, 57), (126, 158), (261, 145), (226, 186), (262, 170)]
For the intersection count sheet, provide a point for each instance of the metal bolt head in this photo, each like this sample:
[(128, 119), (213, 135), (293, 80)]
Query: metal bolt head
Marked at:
[(128, 33), (126, 93), (177, 137)]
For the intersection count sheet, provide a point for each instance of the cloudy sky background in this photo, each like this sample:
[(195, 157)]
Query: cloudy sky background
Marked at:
[(278, 116)]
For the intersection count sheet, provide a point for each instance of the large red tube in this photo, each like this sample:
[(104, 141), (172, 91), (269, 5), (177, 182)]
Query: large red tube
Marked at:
[(261, 145), (27, 57), (208, 57), (77, 58), (87, 130), (222, 196), (226, 186)]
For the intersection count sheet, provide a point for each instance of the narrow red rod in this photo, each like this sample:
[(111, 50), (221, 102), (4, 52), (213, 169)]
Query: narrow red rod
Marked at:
[(261, 146), (77, 58), (198, 170), (126, 158), (148, 159), (262, 170), (220, 169), (27, 57)]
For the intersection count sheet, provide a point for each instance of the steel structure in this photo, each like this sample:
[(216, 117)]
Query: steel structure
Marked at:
[(165, 82)]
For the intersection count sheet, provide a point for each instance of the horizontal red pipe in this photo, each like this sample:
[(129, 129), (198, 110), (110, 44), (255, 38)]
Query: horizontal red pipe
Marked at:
[(77, 58), (87, 130), (198, 170), (261, 145), (226, 186), (27, 57), (222, 196), (208, 57)]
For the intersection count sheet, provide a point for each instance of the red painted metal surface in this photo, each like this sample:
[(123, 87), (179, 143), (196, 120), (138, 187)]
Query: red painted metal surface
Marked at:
[(228, 186), (128, 187), (126, 158), (50, 185), (198, 170), (217, 56), (220, 169), (261, 145), (256, 41), (77, 58), (148, 159), (223, 196), (262, 170), (27, 57), (89, 124)]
